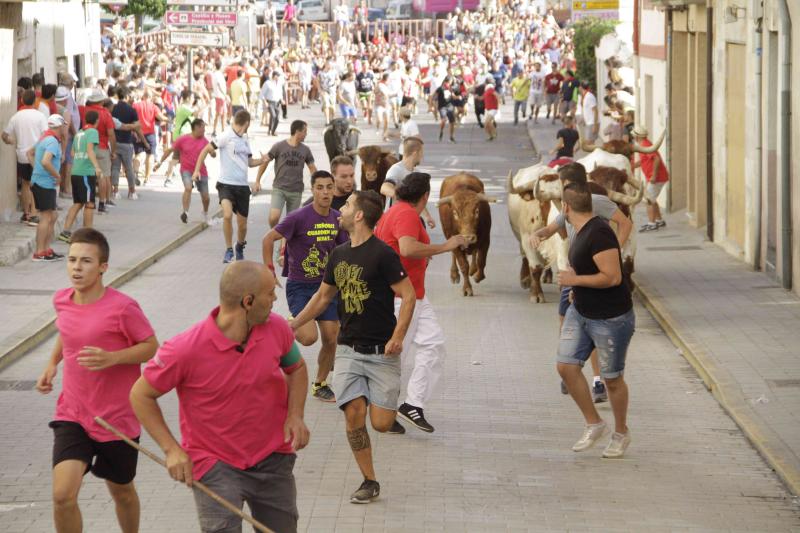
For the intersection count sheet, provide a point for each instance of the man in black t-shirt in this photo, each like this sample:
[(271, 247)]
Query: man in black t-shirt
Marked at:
[(601, 316), (365, 85), (480, 109), (126, 114), (566, 138), (568, 88), (444, 103), (367, 274)]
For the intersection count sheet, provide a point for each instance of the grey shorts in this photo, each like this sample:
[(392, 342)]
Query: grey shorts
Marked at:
[(281, 198), (104, 160), (652, 190), (201, 184), (376, 377), (268, 488)]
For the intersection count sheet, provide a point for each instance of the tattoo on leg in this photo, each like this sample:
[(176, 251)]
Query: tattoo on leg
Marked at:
[(358, 439)]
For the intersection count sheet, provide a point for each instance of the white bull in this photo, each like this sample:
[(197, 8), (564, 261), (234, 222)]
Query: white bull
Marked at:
[(534, 200)]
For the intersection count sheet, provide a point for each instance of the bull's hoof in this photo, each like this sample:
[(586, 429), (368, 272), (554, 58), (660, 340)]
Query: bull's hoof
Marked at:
[(473, 269), (537, 299), (467, 291), (525, 283), (548, 276), (455, 278), (478, 277)]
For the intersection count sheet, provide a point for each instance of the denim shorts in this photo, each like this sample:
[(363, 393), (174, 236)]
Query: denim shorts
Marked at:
[(563, 301), (611, 337), (201, 184), (299, 293), (376, 377)]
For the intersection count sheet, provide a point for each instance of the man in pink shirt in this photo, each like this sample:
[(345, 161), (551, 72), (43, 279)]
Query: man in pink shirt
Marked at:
[(103, 338), (241, 385), (189, 147)]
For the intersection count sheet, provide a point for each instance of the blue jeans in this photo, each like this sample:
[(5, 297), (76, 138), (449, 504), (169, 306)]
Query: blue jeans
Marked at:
[(517, 106), (611, 337)]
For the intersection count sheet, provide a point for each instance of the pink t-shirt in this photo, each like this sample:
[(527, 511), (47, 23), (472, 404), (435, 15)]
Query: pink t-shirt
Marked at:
[(233, 405), (190, 148), (114, 322)]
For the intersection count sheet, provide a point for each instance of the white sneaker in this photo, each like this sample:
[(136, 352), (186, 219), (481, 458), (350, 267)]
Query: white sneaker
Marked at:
[(617, 445), (116, 195), (133, 196), (591, 434)]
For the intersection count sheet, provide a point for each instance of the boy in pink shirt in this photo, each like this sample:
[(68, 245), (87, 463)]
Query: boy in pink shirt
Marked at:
[(241, 385), (103, 338)]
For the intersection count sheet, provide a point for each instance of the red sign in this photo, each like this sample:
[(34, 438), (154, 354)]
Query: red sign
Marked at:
[(201, 18)]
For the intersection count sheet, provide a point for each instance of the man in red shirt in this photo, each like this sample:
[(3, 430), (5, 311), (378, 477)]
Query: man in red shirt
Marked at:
[(492, 108), (106, 147), (241, 385), (552, 89), (401, 228), (656, 175), (148, 114)]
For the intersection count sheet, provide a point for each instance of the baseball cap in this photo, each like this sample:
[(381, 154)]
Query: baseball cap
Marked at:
[(96, 95), (55, 121)]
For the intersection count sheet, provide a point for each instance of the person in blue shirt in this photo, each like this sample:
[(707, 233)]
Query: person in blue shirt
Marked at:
[(46, 156)]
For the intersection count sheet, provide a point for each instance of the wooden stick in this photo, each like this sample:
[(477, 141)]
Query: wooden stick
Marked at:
[(195, 484)]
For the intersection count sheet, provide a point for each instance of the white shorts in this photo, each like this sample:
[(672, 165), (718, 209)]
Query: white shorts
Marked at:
[(381, 111), (652, 191), (535, 99), (328, 99), (494, 113)]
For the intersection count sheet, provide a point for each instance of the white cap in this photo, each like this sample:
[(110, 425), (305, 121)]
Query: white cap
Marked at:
[(55, 121), (62, 93)]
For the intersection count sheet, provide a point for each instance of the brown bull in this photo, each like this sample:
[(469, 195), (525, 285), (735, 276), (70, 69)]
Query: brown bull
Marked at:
[(464, 209), (375, 163)]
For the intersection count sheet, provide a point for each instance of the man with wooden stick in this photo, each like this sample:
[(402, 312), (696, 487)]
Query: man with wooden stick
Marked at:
[(103, 337), (367, 274), (241, 385)]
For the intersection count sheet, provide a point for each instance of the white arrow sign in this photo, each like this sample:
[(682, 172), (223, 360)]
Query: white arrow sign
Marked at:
[(198, 38)]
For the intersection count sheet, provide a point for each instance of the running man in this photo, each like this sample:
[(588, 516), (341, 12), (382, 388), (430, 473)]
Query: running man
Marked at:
[(232, 186), (536, 95), (311, 233), (444, 103), (103, 337), (85, 173), (188, 147), (402, 229), (367, 273), (290, 157), (601, 316), (346, 97), (241, 385), (365, 85)]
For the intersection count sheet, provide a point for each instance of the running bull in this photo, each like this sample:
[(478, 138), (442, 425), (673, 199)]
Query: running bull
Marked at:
[(464, 209), (340, 137), (375, 163)]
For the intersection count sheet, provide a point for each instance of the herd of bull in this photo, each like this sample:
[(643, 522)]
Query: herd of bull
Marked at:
[(534, 201)]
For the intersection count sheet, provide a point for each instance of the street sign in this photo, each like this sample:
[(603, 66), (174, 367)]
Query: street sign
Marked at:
[(209, 3), (198, 38), (601, 9), (201, 18)]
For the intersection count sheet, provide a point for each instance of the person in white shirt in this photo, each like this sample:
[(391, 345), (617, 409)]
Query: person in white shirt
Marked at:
[(413, 147), (346, 97), (219, 91), (408, 127), (271, 96), (591, 121), (396, 77), (536, 95), (22, 132)]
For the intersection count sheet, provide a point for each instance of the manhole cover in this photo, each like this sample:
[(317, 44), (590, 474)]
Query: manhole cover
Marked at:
[(17, 385), (672, 248)]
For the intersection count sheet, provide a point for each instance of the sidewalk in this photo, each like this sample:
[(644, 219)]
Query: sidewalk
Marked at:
[(737, 328), (140, 233)]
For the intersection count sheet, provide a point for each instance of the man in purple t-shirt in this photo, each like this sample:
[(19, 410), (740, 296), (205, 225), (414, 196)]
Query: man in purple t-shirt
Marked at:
[(311, 233)]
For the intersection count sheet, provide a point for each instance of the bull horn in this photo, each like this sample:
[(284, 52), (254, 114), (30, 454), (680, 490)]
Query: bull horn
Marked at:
[(329, 128), (482, 197), (625, 199), (353, 128), (510, 185), (634, 182), (546, 196), (445, 200), (649, 149)]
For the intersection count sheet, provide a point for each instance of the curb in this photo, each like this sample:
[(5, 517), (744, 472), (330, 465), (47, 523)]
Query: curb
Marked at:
[(18, 246), (765, 441), (38, 334)]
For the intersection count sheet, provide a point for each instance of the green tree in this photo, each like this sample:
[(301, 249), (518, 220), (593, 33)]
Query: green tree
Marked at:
[(588, 33), (140, 8)]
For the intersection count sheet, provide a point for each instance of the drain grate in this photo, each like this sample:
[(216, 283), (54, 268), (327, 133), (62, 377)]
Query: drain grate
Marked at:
[(784, 382), (17, 385), (672, 248)]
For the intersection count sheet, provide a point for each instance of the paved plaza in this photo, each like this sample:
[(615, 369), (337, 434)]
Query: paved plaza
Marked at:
[(500, 458)]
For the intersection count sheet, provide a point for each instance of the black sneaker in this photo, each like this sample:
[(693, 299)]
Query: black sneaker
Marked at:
[(599, 394), (661, 223), (240, 250), (32, 221), (441, 134), (65, 236), (368, 491), (102, 209), (396, 429), (321, 391), (415, 416), (184, 218)]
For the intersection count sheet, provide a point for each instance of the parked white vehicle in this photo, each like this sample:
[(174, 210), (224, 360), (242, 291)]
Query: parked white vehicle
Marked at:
[(314, 10)]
